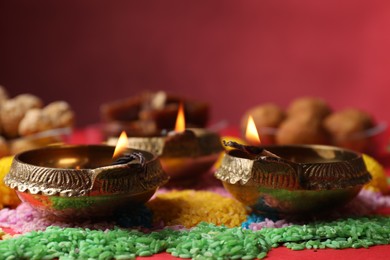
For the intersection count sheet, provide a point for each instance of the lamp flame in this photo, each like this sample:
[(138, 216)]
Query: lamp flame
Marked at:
[(180, 125), (121, 145), (251, 134)]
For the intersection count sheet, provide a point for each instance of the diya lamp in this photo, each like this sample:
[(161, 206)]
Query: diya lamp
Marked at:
[(291, 180), (150, 112), (81, 181), (184, 153)]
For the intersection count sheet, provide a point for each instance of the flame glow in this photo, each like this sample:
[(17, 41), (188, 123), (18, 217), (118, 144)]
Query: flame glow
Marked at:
[(180, 125), (251, 134), (121, 145)]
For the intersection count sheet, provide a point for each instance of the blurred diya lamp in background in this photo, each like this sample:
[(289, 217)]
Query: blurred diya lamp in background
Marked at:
[(293, 181), (149, 113), (185, 153), (84, 181)]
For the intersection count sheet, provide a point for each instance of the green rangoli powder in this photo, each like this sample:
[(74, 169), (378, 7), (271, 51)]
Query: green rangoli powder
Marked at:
[(206, 241), (343, 233), (77, 243)]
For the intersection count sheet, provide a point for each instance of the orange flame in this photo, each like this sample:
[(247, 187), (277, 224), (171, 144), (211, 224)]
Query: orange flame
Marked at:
[(251, 134), (121, 145), (180, 125)]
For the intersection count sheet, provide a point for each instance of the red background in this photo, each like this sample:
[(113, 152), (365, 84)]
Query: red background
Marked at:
[(233, 54)]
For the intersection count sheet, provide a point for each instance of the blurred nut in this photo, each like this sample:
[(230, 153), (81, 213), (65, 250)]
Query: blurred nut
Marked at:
[(3, 95), (34, 121), (13, 111), (28, 101), (60, 114)]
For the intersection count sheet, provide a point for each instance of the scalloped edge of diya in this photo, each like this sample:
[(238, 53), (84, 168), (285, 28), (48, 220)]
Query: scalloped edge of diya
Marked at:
[(293, 179), (25, 176), (324, 167)]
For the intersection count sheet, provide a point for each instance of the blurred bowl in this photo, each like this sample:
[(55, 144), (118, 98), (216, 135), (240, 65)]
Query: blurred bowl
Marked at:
[(38, 140), (80, 181), (304, 180)]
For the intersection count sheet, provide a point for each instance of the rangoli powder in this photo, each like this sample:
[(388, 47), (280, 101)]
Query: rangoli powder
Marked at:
[(189, 208), (205, 241)]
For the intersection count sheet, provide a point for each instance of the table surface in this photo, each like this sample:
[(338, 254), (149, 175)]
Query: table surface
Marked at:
[(91, 135)]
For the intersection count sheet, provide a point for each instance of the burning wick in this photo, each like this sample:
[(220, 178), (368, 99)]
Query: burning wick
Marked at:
[(180, 125), (252, 136), (251, 133), (123, 157), (129, 157), (121, 145)]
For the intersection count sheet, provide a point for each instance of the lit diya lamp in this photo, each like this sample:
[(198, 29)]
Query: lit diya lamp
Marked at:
[(184, 153), (77, 181), (291, 180)]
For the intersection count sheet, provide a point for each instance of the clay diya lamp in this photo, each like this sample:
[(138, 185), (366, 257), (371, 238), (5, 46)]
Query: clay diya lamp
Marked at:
[(185, 153), (292, 181), (83, 181)]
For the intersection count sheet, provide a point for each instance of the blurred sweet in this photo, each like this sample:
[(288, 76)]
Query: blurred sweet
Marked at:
[(378, 182), (303, 124), (265, 116), (309, 107), (301, 130), (8, 196), (347, 128), (310, 120), (149, 113), (13, 110)]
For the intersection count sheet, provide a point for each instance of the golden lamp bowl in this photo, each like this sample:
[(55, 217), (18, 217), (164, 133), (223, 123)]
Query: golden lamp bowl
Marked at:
[(183, 155), (78, 181), (301, 180)]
